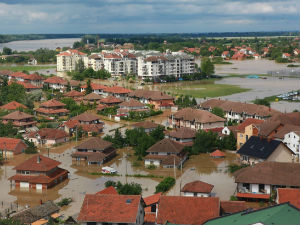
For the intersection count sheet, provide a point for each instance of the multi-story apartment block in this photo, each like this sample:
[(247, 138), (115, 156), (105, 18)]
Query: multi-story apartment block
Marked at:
[(67, 60), (145, 64)]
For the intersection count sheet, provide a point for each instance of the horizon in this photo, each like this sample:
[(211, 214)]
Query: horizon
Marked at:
[(149, 16)]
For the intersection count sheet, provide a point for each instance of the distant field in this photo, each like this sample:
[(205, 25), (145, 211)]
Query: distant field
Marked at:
[(22, 67), (201, 89)]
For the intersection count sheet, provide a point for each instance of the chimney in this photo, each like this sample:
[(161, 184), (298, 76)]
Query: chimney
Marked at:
[(38, 160)]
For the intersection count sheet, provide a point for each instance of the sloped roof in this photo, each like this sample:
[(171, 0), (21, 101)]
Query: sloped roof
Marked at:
[(110, 100), (95, 143), (287, 174), (153, 95), (217, 153), (95, 86), (152, 199), (277, 214), (241, 127), (10, 143), (286, 129), (259, 147), (132, 103), (56, 80), (239, 107), (92, 96), (197, 187), (233, 206), (197, 115), (110, 208), (187, 210), (34, 76), (182, 133), (31, 215), (291, 195), (13, 106), (49, 133), (52, 103), (146, 125), (86, 117), (33, 164), (17, 115), (117, 90), (108, 191), (166, 145), (74, 93)]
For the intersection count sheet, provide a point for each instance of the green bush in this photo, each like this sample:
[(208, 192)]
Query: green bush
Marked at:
[(151, 167), (234, 167), (64, 201), (165, 185), (233, 198)]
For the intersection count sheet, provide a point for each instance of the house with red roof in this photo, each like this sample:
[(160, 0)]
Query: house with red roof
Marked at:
[(291, 195), (52, 107), (76, 95), (48, 136), (131, 105), (151, 206), (38, 172), (197, 189), (13, 105), (225, 55), (97, 88), (35, 79), (239, 56), (11, 146), (18, 76), (286, 55), (112, 209), (56, 83), (19, 119), (110, 101), (28, 86), (296, 52), (187, 210), (116, 91)]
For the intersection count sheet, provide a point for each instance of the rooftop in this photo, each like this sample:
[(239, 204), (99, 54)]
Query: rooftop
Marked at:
[(197, 187), (95, 143), (291, 195), (13, 106), (166, 145), (38, 163)]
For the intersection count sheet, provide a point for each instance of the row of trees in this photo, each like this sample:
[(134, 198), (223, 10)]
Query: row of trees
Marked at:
[(185, 101)]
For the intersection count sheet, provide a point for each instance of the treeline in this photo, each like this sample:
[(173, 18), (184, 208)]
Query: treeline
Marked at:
[(4, 38)]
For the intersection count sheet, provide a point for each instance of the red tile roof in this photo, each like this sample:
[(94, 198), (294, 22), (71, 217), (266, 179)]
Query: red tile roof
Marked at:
[(110, 100), (252, 195), (187, 210), (9, 144), (52, 103), (17, 115), (233, 206), (197, 187), (92, 97), (13, 106), (34, 76), (291, 195), (56, 80), (108, 191), (45, 164), (95, 86), (152, 199), (28, 85), (247, 122), (86, 117), (132, 103), (110, 208), (217, 153), (117, 90), (51, 111), (73, 94), (49, 133), (19, 74)]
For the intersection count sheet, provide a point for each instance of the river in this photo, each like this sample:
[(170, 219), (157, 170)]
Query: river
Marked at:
[(32, 45)]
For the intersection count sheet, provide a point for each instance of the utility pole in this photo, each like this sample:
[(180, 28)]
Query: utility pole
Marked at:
[(5, 156), (174, 173), (180, 179)]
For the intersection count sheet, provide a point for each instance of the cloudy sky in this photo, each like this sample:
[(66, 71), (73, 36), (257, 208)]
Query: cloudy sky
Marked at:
[(147, 16)]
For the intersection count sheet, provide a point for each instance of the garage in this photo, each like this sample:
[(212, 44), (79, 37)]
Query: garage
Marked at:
[(24, 184), (39, 186)]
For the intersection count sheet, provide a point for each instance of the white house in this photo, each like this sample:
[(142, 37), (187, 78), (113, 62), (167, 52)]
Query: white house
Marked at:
[(197, 189), (292, 140)]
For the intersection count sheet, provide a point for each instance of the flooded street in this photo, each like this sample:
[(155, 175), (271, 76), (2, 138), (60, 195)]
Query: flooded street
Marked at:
[(82, 181)]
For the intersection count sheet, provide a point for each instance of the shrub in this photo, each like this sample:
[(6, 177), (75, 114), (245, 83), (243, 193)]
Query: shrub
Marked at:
[(64, 201), (165, 185), (151, 167), (234, 167), (233, 198)]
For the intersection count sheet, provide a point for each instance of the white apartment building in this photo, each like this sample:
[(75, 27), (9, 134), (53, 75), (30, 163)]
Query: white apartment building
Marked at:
[(67, 60), (151, 64), (292, 141)]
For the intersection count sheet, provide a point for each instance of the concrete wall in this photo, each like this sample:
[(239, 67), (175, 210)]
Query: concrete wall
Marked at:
[(281, 154)]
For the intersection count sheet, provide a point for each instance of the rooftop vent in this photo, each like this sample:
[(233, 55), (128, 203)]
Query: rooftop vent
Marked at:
[(128, 201)]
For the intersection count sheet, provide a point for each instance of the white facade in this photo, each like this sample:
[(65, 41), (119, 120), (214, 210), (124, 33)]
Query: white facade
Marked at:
[(194, 194), (66, 61), (292, 141)]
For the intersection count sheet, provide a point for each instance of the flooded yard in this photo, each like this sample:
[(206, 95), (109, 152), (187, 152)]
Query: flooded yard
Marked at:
[(82, 181)]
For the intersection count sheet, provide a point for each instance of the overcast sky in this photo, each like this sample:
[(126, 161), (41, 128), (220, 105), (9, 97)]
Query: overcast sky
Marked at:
[(147, 16)]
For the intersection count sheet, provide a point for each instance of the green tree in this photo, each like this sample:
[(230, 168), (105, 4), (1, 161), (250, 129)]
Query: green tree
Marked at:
[(68, 87), (218, 111), (6, 51), (88, 89), (158, 133), (79, 67), (165, 185), (262, 102), (13, 92), (207, 67), (204, 142)]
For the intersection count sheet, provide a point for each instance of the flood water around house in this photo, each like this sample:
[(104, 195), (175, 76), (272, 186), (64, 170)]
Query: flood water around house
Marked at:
[(82, 178)]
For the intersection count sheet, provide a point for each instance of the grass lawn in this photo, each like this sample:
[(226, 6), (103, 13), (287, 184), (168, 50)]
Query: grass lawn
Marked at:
[(22, 67), (201, 89)]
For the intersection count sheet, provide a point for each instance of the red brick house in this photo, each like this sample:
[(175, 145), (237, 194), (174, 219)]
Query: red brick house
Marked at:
[(52, 108), (39, 172), (19, 119), (11, 146)]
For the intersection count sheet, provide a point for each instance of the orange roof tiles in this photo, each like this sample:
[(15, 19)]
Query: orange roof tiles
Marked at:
[(233, 206), (197, 187), (13, 106), (187, 210), (73, 94), (108, 191), (110, 100), (117, 90), (110, 208), (291, 195), (9, 144), (217, 153), (56, 80), (52, 103), (49, 133), (152, 199), (44, 164), (252, 195)]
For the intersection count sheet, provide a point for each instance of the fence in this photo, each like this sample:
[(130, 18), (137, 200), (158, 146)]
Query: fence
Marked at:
[(294, 72)]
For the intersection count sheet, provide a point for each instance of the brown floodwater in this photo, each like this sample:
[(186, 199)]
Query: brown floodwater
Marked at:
[(81, 180)]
